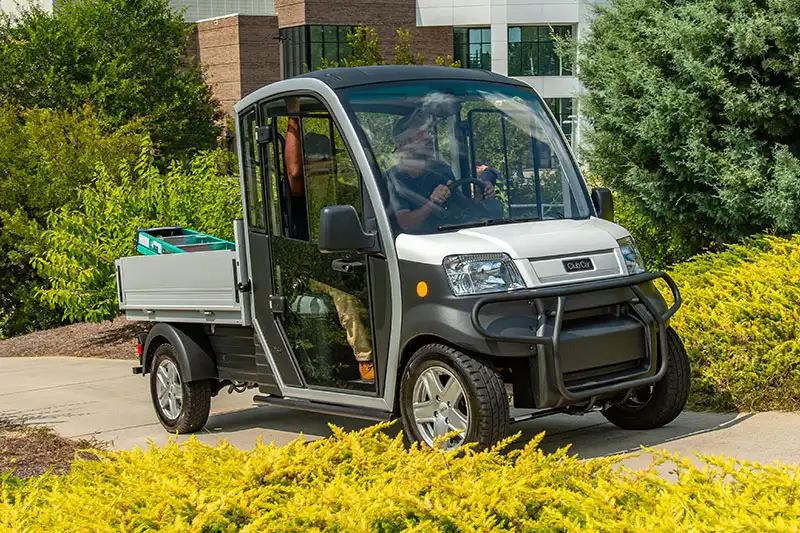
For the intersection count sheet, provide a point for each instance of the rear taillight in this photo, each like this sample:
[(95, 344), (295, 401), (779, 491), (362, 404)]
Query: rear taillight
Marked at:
[(139, 349)]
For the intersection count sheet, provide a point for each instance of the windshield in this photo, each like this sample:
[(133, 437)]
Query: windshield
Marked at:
[(454, 154)]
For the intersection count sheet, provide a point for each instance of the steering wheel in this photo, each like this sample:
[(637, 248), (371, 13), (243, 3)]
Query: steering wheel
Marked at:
[(457, 201)]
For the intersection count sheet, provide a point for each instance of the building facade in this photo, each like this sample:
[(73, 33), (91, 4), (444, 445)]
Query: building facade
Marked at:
[(266, 41)]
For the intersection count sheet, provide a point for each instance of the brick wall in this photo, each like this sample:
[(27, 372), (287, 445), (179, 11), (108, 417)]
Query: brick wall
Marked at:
[(239, 53), (259, 53)]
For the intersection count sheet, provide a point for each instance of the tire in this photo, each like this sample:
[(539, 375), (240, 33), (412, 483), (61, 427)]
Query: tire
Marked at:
[(657, 405), (477, 396), (192, 401)]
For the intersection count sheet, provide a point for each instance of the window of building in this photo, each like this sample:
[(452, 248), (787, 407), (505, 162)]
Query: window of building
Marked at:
[(473, 47), (532, 51), (306, 48), (563, 110)]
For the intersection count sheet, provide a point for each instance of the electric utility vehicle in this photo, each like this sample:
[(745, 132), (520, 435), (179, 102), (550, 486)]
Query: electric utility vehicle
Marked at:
[(378, 272)]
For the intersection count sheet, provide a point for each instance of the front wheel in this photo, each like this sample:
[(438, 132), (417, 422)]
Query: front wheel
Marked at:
[(181, 407), (659, 404), (444, 390)]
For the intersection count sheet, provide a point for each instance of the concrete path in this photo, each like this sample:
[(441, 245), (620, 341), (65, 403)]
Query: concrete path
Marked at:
[(101, 398)]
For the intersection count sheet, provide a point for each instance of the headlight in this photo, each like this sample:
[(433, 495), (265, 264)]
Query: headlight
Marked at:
[(633, 259), (481, 273)]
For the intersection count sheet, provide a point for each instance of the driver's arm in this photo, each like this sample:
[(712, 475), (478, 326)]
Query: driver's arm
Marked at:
[(410, 219)]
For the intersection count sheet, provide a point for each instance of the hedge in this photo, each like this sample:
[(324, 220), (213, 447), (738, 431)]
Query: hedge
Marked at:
[(369, 481), (740, 325)]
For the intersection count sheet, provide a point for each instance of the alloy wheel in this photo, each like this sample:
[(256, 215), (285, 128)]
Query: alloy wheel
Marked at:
[(440, 407), (169, 389)]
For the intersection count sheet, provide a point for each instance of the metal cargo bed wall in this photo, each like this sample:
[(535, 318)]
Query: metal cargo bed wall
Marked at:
[(197, 287)]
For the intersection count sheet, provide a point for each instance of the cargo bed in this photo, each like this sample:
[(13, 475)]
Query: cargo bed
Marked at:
[(184, 276)]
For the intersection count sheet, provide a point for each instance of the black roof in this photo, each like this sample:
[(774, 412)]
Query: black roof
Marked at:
[(338, 78)]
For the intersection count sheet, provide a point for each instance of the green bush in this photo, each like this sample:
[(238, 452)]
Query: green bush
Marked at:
[(739, 324), (694, 109), (45, 157), (367, 481), (81, 243)]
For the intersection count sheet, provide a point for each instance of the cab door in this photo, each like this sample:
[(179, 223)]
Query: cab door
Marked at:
[(317, 314), (254, 152)]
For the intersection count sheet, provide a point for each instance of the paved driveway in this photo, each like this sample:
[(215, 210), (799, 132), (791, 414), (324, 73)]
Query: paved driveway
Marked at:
[(84, 397)]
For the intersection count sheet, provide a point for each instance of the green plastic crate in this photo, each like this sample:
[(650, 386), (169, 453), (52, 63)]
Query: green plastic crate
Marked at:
[(177, 240)]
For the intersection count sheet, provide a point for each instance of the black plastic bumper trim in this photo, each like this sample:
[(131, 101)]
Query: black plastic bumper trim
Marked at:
[(639, 379)]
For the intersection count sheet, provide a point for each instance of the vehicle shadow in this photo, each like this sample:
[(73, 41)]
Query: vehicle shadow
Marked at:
[(587, 436), (592, 435)]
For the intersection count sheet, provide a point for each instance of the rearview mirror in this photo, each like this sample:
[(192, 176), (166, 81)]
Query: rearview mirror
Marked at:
[(340, 230), (603, 203)]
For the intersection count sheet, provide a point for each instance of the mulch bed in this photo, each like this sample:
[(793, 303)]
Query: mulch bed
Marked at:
[(31, 451), (107, 340)]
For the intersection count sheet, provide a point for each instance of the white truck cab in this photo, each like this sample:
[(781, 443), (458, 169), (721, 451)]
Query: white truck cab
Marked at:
[(418, 242)]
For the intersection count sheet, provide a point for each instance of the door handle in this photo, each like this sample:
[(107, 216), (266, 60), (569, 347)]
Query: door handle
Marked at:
[(348, 267)]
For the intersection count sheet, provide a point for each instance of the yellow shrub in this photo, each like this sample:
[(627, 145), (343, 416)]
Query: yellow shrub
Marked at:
[(740, 324), (368, 481)]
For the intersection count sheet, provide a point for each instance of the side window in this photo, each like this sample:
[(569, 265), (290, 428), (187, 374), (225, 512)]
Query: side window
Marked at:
[(253, 180), (312, 167)]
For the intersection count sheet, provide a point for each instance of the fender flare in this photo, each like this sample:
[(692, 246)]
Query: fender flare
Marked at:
[(192, 348)]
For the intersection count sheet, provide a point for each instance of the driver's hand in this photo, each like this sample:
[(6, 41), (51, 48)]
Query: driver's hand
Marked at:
[(441, 193), (489, 192)]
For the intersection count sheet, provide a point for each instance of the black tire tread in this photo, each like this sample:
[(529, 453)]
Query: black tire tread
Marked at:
[(669, 395), (493, 421), (196, 397)]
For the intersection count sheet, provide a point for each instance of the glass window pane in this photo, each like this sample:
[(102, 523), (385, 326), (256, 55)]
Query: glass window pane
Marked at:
[(514, 60), (345, 50), (530, 33), (256, 217), (547, 59), (331, 34), (474, 55), (316, 55), (461, 53), (474, 35), (486, 57), (316, 34), (529, 58), (514, 35), (544, 33), (459, 36), (331, 52), (486, 35)]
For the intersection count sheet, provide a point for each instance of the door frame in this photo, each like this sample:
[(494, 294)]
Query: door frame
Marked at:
[(326, 95)]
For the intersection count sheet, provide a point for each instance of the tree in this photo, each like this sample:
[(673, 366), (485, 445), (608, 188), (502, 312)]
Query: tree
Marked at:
[(402, 50), (127, 58), (45, 157), (694, 111), (365, 43)]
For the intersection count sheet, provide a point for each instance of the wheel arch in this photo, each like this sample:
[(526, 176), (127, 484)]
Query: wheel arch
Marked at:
[(192, 349)]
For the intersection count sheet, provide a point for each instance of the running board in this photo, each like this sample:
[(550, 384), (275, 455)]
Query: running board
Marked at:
[(364, 413), (537, 414)]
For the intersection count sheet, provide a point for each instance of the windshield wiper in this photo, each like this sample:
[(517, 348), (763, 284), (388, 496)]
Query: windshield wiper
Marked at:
[(490, 222)]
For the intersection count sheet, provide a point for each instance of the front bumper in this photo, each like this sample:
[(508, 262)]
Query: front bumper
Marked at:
[(549, 369)]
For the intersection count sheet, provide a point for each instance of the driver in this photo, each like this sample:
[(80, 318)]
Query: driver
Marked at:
[(420, 180)]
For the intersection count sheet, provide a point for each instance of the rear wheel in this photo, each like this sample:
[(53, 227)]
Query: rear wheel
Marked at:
[(659, 404), (181, 407), (444, 390)]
